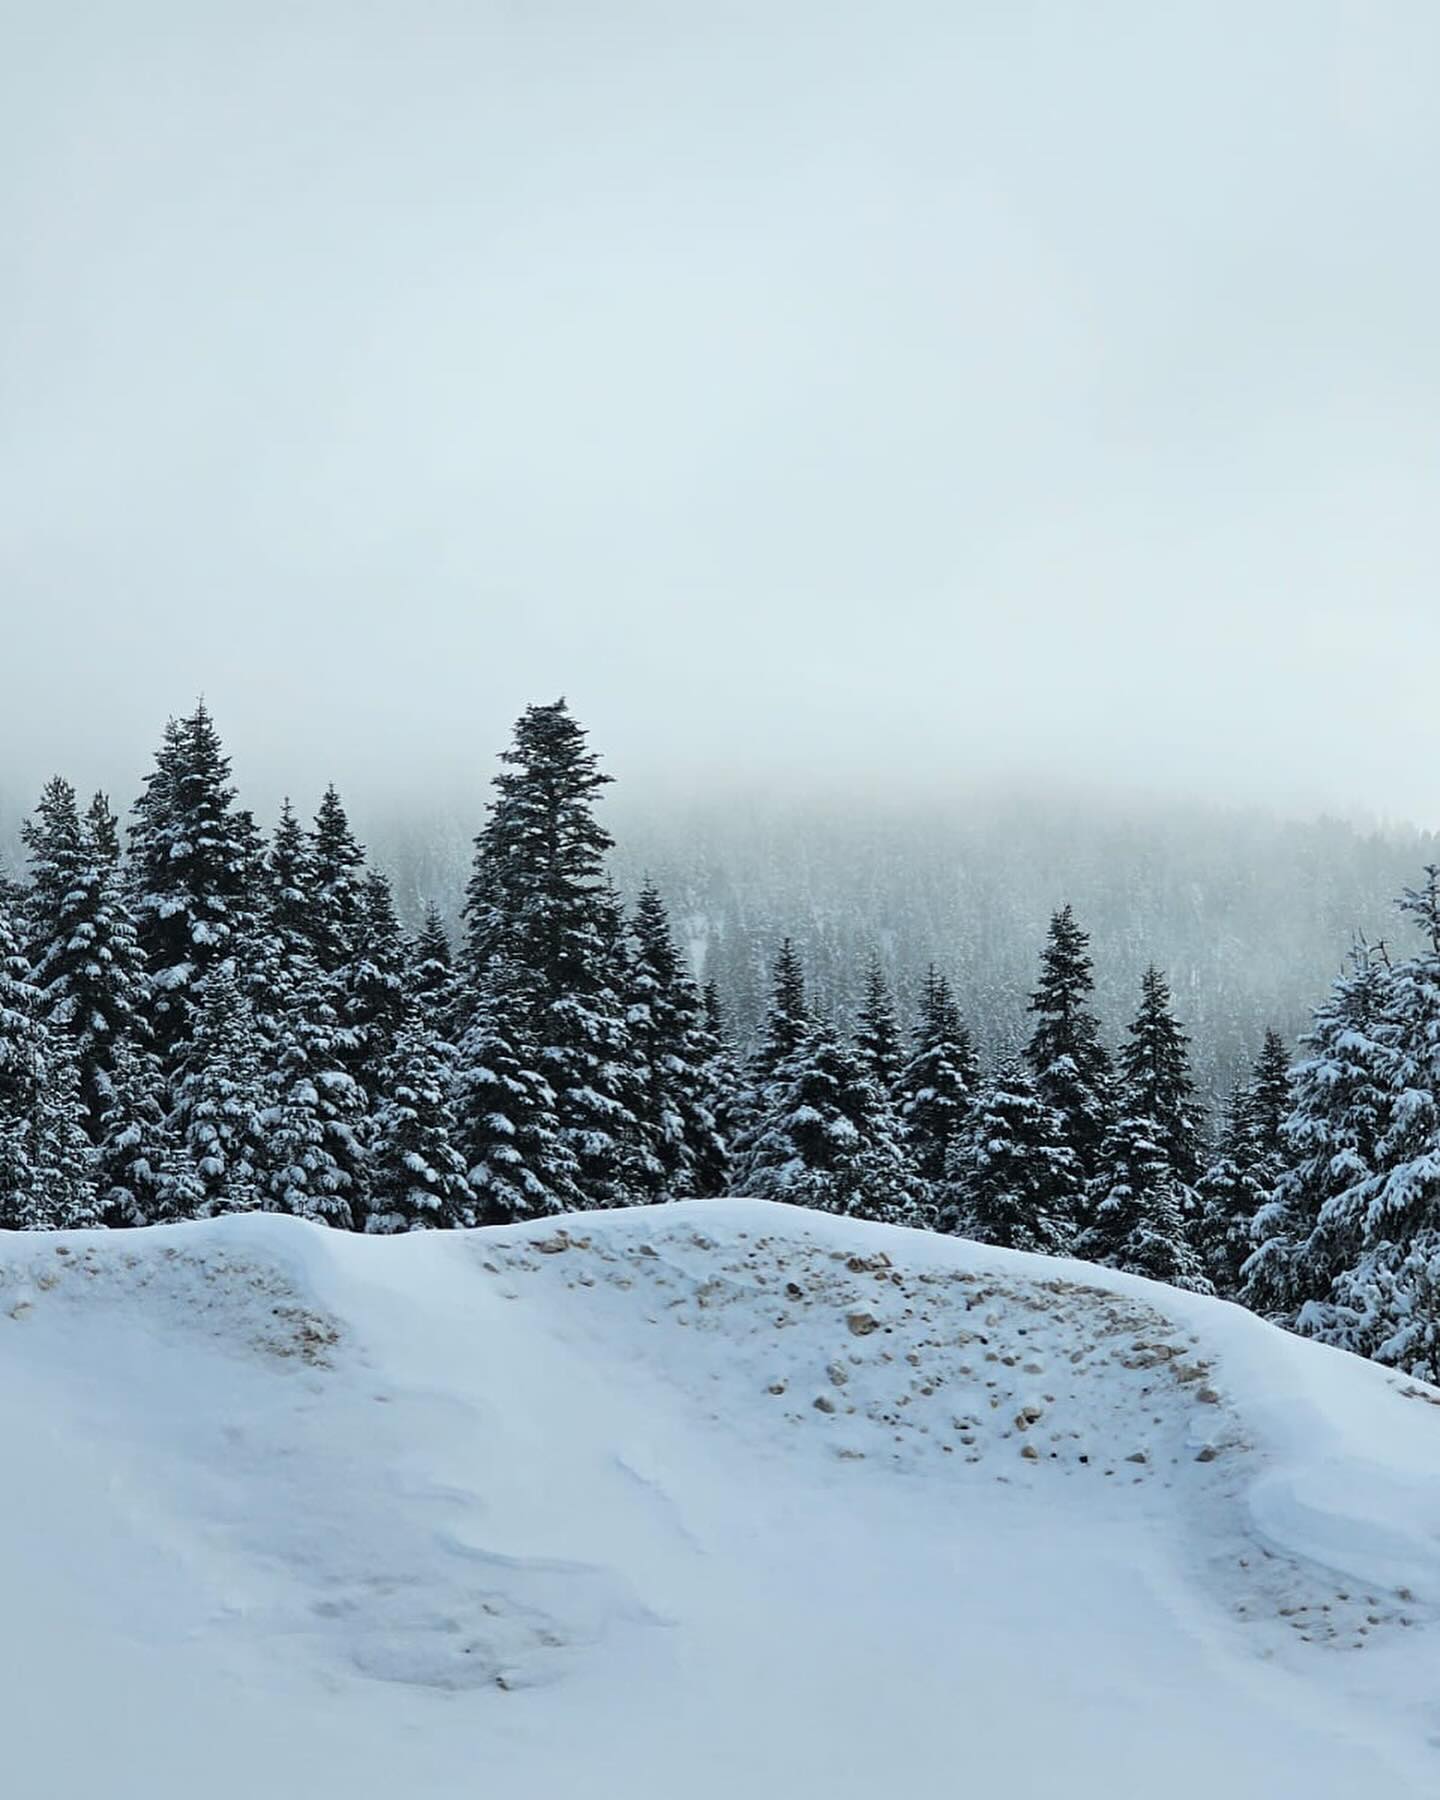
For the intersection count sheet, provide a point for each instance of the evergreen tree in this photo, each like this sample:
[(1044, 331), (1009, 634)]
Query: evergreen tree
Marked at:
[(520, 1164), (136, 1163), (938, 1084), (1155, 1071), (1270, 1096), (1137, 1221), (1311, 1228), (721, 1085), (1012, 1178), (1383, 1304), (291, 921), (417, 1175), (788, 1022), (337, 865), (1232, 1192), (824, 1137), (432, 977), (1071, 1066), (374, 982), (46, 1161), (215, 1117), (877, 1037), (675, 1052), (314, 1117), (82, 941), (538, 900), (196, 867)]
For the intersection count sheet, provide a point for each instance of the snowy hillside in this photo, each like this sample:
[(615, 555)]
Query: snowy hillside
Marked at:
[(711, 1500)]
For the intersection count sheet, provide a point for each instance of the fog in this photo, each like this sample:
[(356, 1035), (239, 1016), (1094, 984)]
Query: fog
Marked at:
[(814, 393)]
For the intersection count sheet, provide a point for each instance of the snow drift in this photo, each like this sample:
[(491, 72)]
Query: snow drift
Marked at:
[(708, 1499)]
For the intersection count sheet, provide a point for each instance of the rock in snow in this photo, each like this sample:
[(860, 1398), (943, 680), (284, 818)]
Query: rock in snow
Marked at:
[(295, 1513)]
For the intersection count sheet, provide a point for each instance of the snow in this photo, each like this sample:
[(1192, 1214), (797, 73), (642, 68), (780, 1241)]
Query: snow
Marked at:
[(714, 1498)]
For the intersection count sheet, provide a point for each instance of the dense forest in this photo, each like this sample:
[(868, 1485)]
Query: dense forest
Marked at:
[(1250, 914), (202, 1020)]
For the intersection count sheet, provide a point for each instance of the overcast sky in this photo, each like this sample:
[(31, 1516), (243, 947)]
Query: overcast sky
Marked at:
[(941, 386)]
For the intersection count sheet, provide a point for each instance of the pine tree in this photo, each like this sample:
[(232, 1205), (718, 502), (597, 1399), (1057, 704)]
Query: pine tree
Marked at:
[(1155, 1072), (136, 1161), (1311, 1228), (674, 1052), (1232, 1192), (1072, 1068), (373, 983), (788, 1021), (938, 1084), (314, 1117), (1383, 1305), (46, 1161), (417, 1175), (82, 942), (215, 1117), (823, 1137), (1144, 1206), (721, 1082), (1270, 1096), (431, 971), (1012, 1180), (195, 863), (1137, 1219), (538, 900), (337, 864), (877, 1036), (292, 936), (520, 1165)]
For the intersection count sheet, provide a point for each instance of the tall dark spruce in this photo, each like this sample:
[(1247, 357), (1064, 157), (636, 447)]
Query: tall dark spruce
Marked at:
[(539, 904), (1072, 1068)]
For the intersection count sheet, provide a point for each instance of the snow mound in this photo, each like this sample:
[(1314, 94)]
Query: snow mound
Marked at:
[(677, 1499)]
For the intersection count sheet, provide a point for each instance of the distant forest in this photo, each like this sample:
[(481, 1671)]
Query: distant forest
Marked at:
[(1252, 916)]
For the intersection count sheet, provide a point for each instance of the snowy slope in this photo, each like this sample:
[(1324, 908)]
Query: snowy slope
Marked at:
[(712, 1500)]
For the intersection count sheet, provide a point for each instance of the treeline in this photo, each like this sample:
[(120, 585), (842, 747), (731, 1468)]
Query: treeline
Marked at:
[(207, 1022)]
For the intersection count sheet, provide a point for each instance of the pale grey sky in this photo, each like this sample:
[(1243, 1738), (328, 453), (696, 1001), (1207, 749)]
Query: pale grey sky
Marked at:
[(968, 387)]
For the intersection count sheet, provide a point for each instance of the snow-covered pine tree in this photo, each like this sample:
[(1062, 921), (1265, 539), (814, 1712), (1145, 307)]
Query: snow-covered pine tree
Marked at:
[(374, 982), (520, 1164), (1385, 1304), (1072, 1068), (82, 945), (538, 898), (824, 1137), (314, 1117), (721, 1077), (136, 1163), (47, 1178), (291, 916), (1338, 1107), (1155, 1073), (1137, 1218), (1012, 1179), (431, 975), (674, 1050), (1143, 1201), (787, 1022), (877, 1034), (938, 1084), (1232, 1192), (217, 1099), (337, 865), (195, 869), (417, 1175), (1270, 1096)]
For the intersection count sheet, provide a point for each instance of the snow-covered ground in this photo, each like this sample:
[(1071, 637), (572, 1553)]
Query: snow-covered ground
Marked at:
[(721, 1499)]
